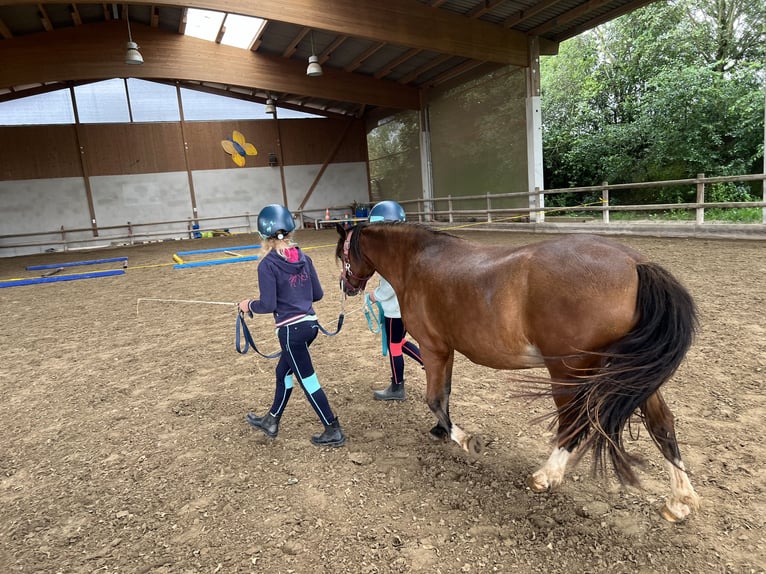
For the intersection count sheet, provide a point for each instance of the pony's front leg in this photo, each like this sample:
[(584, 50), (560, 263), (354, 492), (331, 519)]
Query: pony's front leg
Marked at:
[(438, 387)]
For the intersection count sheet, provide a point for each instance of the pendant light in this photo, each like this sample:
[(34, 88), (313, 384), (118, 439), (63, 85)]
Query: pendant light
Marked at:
[(314, 69), (132, 55)]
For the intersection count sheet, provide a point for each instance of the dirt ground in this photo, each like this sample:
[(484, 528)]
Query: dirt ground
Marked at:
[(123, 444)]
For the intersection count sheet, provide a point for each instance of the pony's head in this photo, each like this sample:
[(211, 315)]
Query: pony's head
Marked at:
[(356, 271)]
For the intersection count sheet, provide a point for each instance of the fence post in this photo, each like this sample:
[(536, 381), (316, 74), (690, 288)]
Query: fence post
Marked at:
[(539, 202), (489, 206), (449, 208), (605, 202), (130, 234), (700, 198), (63, 238)]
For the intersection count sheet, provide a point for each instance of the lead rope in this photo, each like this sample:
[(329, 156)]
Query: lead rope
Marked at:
[(241, 331), (373, 312)]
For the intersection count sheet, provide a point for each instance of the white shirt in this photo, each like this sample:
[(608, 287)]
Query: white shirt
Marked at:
[(385, 294)]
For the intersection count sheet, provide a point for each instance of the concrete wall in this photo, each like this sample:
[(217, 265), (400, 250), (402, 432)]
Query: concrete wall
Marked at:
[(35, 205)]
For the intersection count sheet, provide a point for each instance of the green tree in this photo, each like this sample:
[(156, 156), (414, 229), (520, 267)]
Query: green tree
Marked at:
[(665, 92)]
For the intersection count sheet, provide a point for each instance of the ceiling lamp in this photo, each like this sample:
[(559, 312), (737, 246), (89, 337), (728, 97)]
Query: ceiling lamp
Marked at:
[(314, 68), (132, 55), (270, 108)]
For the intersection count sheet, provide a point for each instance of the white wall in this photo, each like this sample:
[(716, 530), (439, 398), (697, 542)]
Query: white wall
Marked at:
[(45, 205)]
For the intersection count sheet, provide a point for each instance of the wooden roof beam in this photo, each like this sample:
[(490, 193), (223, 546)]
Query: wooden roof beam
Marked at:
[(258, 37), (90, 53), (363, 56), (5, 32), (44, 19), (399, 22), (607, 17), (293, 46), (76, 19), (388, 68), (568, 16), (523, 15)]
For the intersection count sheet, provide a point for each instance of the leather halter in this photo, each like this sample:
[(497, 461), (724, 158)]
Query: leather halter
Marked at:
[(347, 287)]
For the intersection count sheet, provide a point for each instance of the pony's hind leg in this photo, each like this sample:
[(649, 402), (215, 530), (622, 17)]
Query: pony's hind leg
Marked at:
[(660, 423), (569, 435)]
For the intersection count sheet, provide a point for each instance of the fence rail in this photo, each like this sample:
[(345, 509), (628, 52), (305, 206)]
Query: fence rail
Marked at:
[(438, 210)]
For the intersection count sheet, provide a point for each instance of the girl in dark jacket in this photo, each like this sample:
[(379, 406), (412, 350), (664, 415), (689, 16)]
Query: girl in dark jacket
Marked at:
[(289, 285)]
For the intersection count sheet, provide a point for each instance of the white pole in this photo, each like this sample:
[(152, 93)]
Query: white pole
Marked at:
[(184, 301)]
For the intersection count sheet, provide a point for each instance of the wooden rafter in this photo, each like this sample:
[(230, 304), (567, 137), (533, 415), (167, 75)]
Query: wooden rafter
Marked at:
[(258, 37), (363, 56), (466, 66), (221, 31), (568, 16), (607, 17), (293, 46), (183, 21), (424, 68), (76, 19), (91, 53), (388, 68), (44, 19), (325, 55), (398, 22), (480, 9), (5, 31), (528, 13)]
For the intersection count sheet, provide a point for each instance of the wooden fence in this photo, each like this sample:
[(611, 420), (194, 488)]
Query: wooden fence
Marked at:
[(442, 211)]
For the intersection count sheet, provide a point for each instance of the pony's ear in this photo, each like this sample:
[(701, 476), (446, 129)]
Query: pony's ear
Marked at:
[(341, 230)]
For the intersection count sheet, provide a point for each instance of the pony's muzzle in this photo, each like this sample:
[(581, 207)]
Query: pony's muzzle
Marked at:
[(348, 288)]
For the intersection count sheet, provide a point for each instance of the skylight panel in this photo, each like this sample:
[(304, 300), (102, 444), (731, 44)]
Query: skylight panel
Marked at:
[(203, 24), (239, 31)]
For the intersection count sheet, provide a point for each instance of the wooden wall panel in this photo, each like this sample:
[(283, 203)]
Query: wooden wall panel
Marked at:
[(39, 152), (206, 152), (114, 149), (28, 152), (311, 141)]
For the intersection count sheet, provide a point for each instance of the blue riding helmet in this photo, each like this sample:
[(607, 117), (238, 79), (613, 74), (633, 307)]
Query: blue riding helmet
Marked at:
[(275, 221), (387, 211)]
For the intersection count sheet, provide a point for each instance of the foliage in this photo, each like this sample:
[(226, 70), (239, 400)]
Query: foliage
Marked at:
[(392, 149), (666, 92)]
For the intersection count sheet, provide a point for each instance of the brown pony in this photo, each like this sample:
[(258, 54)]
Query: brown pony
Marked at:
[(610, 326)]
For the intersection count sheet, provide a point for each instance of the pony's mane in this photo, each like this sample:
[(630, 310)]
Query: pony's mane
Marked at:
[(426, 233)]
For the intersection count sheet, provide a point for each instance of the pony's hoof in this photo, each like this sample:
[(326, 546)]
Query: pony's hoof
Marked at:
[(679, 515), (538, 482), (668, 515), (438, 433), (475, 445), (678, 508)]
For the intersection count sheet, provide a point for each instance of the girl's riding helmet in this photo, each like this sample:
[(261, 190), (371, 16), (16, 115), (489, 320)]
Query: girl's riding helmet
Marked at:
[(275, 221), (387, 211)]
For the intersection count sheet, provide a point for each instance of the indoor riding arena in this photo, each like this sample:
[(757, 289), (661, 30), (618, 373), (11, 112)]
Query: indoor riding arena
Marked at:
[(125, 446)]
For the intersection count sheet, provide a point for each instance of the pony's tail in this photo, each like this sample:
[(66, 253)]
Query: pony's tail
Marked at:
[(637, 365)]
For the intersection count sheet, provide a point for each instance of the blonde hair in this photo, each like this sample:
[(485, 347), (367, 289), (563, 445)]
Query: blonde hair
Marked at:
[(278, 245)]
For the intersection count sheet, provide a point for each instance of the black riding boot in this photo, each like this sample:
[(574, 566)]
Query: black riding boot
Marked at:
[(391, 393), (268, 423), (332, 435)]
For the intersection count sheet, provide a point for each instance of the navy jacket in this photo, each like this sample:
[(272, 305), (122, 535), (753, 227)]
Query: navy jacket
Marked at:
[(287, 287)]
